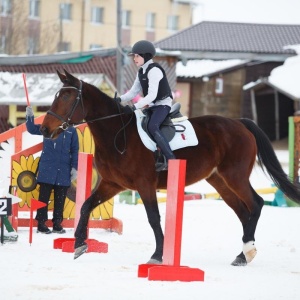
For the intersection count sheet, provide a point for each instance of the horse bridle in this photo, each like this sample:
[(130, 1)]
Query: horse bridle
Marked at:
[(66, 121)]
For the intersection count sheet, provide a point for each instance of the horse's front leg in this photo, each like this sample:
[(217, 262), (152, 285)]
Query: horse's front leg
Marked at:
[(153, 215), (81, 230), (104, 192)]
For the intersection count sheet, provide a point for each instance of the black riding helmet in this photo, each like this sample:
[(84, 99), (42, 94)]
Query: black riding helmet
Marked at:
[(143, 48)]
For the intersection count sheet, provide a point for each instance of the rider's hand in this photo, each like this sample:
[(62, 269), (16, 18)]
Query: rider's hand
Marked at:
[(29, 111), (128, 110)]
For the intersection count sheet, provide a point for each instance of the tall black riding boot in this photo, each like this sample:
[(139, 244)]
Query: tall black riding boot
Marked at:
[(165, 149)]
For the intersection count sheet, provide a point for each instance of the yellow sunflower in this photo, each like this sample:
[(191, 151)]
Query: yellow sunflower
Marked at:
[(24, 179), (103, 211)]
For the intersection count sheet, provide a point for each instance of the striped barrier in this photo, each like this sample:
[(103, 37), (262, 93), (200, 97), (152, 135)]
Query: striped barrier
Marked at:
[(131, 197)]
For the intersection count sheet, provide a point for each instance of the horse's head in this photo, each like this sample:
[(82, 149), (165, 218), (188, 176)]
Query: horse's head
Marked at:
[(66, 109)]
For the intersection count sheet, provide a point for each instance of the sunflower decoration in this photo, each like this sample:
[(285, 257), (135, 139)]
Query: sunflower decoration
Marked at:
[(24, 178), (103, 211)]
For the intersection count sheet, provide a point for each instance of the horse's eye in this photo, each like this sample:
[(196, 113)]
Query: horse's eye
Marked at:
[(65, 97)]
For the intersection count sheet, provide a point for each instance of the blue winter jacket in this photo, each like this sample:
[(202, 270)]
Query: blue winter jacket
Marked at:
[(58, 156)]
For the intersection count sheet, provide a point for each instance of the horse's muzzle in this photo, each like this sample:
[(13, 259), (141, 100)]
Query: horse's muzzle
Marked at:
[(44, 131)]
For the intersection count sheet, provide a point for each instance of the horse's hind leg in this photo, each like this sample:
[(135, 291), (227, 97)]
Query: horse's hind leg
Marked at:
[(247, 214)]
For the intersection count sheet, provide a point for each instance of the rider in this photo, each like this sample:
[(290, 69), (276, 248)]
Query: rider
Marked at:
[(151, 79)]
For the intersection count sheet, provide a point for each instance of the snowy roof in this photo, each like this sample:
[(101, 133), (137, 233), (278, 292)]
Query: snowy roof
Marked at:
[(41, 87), (204, 67), (284, 78)]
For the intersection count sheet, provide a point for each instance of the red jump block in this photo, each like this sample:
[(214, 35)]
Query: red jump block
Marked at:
[(67, 245), (170, 273), (84, 187), (171, 270)]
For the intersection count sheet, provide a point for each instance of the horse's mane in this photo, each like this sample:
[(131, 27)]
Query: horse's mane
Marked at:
[(99, 91)]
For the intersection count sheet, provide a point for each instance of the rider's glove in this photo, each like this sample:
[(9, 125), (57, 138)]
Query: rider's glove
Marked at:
[(29, 111), (73, 174), (129, 110)]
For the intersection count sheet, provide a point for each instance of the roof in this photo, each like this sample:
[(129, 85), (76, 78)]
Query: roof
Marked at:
[(61, 57), (284, 79), (224, 40), (89, 62), (41, 87)]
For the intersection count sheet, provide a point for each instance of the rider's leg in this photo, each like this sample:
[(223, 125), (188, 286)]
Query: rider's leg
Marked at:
[(159, 114)]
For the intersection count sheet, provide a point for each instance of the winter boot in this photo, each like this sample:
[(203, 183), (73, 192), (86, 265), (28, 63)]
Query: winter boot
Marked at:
[(42, 228), (57, 228)]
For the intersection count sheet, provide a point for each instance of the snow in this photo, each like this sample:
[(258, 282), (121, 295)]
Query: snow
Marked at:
[(199, 68), (286, 76), (211, 240)]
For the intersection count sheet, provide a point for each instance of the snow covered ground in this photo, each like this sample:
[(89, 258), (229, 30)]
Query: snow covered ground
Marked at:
[(211, 240)]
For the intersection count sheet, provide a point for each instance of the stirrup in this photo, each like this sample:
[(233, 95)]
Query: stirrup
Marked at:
[(161, 166)]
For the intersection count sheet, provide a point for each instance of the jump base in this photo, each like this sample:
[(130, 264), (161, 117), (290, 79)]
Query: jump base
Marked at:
[(67, 245), (170, 273)]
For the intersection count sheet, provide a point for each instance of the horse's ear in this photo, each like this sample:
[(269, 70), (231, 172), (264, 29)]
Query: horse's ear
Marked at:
[(71, 79), (61, 76)]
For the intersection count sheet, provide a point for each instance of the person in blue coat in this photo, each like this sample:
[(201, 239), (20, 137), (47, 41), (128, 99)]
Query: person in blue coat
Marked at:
[(57, 168)]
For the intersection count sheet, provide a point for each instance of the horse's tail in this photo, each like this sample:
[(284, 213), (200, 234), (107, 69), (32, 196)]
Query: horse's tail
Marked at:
[(268, 161)]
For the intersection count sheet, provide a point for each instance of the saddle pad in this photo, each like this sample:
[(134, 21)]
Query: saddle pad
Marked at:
[(180, 140)]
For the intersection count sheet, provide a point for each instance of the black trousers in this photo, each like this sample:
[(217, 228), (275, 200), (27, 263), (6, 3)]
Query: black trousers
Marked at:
[(60, 193)]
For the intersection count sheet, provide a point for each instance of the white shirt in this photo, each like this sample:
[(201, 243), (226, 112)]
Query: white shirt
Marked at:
[(154, 76)]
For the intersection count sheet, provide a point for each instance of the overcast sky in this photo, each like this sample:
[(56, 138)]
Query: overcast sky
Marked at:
[(249, 11)]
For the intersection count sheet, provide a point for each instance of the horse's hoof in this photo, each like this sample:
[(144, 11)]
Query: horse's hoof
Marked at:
[(80, 250), (250, 255), (249, 251), (240, 261), (153, 261)]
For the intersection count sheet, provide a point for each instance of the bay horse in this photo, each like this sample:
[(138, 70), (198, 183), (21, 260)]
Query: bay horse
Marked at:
[(224, 156)]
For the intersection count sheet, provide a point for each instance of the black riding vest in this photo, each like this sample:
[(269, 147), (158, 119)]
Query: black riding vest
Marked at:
[(164, 90)]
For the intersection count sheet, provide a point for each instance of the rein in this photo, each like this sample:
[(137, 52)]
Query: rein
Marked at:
[(66, 123)]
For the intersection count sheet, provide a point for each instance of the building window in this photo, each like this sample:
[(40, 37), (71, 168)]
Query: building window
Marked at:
[(6, 6), (219, 86), (95, 46), (150, 21), (34, 8), (64, 47), (97, 15), (172, 23), (126, 18), (3, 44), (33, 46), (66, 11)]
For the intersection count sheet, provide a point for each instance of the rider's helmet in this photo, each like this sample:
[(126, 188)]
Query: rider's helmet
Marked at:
[(143, 47)]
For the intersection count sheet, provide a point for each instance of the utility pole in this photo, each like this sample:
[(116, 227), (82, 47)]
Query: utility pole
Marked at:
[(82, 26), (60, 27), (119, 48)]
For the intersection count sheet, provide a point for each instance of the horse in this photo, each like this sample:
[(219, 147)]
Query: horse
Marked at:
[(224, 156)]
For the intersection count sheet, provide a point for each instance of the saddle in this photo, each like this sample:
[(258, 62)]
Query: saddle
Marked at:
[(168, 128)]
